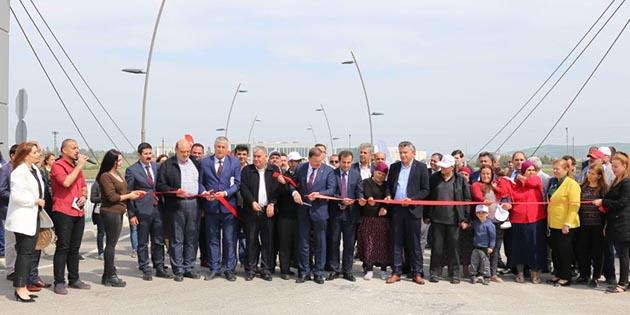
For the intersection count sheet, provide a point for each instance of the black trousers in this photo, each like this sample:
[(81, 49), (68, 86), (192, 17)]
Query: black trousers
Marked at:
[(150, 227), (608, 266), (590, 250), (336, 228), (287, 236), (201, 242), (444, 249), (25, 249), (259, 231), (69, 231), (406, 234), (113, 226), (184, 236), (561, 252), (623, 250)]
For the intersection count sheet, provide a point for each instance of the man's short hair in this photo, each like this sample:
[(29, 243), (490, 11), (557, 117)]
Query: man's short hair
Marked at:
[(282, 154), (66, 142), (199, 145), (457, 152), (570, 158), (518, 152), (142, 146), (488, 154), (274, 153), (366, 145), (407, 144), (241, 147), (221, 139), (12, 149), (314, 152), (259, 148), (537, 162), (345, 153), (439, 155)]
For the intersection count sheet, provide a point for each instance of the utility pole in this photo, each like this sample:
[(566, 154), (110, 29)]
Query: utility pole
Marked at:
[(163, 150), (55, 133)]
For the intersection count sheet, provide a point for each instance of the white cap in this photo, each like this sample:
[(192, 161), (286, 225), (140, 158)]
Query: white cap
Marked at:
[(447, 161), (605, 150), (294, 156), (481, 208)]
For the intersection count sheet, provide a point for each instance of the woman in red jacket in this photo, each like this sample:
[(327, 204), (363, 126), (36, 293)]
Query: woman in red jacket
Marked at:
[(529, 225)]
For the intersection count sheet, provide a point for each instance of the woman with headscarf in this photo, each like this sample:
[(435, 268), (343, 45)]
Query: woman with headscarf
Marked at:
[(374, 234), (529, 224)]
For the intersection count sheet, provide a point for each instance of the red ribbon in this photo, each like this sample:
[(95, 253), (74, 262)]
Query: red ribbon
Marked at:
[(221, 199), (452, 203), (288, 179)]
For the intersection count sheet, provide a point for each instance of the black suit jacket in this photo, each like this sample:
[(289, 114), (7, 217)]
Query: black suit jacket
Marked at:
[(417, 186), (250, 184), (169, 178), (354, 190)]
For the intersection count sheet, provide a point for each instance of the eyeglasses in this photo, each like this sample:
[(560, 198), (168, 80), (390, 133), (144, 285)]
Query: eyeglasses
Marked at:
[(333, 162)]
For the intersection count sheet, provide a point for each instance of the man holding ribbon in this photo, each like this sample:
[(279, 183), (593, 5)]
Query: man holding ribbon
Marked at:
[(219, 180), (178, 179), (143, 212)]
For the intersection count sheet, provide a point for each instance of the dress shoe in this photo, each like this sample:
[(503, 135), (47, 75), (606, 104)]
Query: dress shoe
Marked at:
[(230, 275), (332, 276), (291, 273), (191, 275), (392, 279), (349, 277), (302, 279), (434, 279), (147, 276), (560, 284), (455, 280), (80, 285), (33, 288), (114, 281), (319, 279), (11, 276), (19, 298), (178, 277), (418, 279), (43, 284), (60, 288), (162, 273), (210, 276), (285, 276), (204, 263), (249, 276), (267, 277)]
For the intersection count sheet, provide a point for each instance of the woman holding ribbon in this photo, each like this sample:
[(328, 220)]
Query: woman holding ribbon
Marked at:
[(529, 224)]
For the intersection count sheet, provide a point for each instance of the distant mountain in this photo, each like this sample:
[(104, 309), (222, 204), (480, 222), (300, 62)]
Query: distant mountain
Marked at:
[(579, 151)]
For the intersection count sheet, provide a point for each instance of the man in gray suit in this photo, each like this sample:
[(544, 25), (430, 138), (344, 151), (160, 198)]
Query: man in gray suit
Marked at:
[(144, 213)]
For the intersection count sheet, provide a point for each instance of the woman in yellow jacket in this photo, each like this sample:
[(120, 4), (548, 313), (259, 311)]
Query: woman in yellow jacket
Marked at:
[(562, 216)]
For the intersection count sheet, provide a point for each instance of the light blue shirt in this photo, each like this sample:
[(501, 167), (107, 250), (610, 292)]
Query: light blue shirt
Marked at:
[(190, 177), (403, 180)]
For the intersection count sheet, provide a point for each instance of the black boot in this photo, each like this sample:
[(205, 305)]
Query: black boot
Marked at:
[(114, 281)]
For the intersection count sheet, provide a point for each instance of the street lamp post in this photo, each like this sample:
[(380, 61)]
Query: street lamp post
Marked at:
[(227, 123), (313, 131), (367, 101), (321, 109), (252, 128), (146, 73)]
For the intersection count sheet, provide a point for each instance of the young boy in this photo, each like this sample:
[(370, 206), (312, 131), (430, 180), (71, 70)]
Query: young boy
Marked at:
[(483, 242)]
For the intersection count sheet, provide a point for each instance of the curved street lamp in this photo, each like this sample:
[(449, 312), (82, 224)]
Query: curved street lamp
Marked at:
[(227, 123), (321, 109), (146, 73), (367, 101), (252, 128), (313, 131)]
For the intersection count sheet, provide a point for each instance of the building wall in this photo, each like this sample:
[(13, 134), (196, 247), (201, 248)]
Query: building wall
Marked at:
[(4, 77)]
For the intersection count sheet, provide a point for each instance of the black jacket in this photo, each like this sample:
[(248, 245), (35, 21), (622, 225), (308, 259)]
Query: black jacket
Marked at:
[(170, 179), (617, 201), (461, 192), (287, 208), (417, 186), (250, 184)]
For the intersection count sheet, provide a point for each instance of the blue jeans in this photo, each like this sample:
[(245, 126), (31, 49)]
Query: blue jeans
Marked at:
[(1, 237), (133, 237)]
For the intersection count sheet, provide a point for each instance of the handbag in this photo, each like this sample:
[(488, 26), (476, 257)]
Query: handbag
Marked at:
[(46, 235)]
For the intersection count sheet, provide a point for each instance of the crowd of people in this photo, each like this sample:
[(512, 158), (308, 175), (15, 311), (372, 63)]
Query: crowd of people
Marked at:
[(318, 216)]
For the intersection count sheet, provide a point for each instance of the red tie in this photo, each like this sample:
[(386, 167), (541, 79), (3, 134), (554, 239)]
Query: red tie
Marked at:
[(220, 170), (344, 188), (311, 178), (151, 182)]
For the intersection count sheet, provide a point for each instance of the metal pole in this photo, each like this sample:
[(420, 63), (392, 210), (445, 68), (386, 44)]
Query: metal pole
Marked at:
[(332, 143), (227, 123), (312, 131), (567, 134), (367, 101), (252, 129), (55, 133), (146, 76)]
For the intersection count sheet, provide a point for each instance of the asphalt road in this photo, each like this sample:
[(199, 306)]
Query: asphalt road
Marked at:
[(340, 296)]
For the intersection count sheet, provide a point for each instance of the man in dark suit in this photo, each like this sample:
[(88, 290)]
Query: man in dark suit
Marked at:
[(286, 222), (220, 176), (180, 174), (344, 217), (313, 178), (260, 195), (408, 180), (143, 212)]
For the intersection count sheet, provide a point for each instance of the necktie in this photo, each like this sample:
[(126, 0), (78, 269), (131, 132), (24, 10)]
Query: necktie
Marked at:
[(311, 178), (220, 170), (151, 182), (344, 188)]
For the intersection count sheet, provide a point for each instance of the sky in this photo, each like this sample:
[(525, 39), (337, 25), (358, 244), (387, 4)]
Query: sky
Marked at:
[(446, 74)]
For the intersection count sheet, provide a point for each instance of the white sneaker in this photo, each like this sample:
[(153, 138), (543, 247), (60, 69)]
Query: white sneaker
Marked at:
[(505, 225), (384, 275), (368, 275)]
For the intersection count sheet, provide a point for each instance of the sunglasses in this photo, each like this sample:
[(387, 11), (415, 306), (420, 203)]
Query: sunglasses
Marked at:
[(334, 162)]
